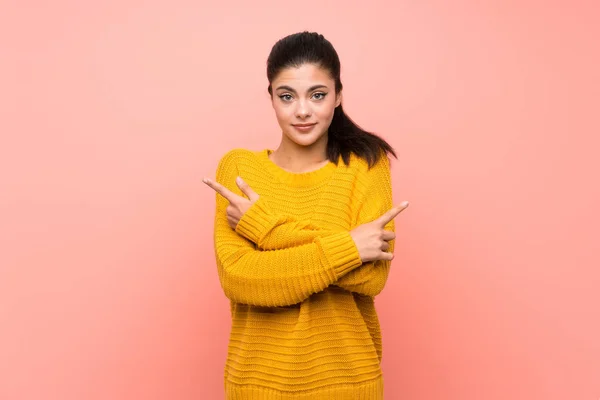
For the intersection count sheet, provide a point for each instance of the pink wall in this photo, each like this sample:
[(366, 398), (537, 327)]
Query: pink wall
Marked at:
[(111, 112)]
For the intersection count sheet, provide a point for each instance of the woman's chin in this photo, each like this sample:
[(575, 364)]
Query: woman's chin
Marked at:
[(305, 140)]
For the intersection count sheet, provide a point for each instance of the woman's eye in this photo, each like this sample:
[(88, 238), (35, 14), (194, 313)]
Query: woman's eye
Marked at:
[(320, 96), (286, 97)]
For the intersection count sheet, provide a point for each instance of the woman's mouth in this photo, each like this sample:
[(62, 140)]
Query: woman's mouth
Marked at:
[(304, 127)]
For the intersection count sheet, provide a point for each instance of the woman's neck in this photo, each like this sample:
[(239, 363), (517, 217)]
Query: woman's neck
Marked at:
[(295, 158)]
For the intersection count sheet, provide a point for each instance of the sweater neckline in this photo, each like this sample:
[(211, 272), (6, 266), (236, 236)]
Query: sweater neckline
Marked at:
[(308, 178)]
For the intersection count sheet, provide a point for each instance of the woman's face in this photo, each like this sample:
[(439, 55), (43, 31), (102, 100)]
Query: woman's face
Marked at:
[(304, 100)]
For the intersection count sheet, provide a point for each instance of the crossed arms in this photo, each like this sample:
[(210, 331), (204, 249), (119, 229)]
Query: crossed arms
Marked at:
[(274, 259)]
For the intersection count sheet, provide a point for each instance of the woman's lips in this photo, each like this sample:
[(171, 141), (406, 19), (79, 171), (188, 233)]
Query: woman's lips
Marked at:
[(304, 127)]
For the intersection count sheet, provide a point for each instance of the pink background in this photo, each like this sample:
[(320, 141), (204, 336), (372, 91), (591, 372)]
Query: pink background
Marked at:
[(112, 112)]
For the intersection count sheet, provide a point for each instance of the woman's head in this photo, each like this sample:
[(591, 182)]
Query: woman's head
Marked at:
[(303, 70)]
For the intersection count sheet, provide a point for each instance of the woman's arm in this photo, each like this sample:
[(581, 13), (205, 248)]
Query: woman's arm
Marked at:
[(371, 277), (272, 231), (275, 277)]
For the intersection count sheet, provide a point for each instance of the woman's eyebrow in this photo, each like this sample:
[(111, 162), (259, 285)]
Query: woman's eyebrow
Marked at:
[(290, 89)]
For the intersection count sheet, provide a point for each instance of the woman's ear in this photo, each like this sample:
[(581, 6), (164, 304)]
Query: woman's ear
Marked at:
[(338, 99)]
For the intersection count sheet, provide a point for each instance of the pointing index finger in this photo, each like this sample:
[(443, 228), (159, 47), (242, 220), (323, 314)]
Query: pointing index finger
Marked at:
[(222, 190), (392, 213)]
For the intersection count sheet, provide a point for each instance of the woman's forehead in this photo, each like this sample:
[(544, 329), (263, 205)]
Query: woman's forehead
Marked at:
[(303, 77)]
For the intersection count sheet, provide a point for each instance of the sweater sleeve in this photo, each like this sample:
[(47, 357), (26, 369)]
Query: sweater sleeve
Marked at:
[(371, 277), (270, 231), (276, 277), (275, 231)]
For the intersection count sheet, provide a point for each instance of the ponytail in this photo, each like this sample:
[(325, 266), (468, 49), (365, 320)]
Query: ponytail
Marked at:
[(346, 137)]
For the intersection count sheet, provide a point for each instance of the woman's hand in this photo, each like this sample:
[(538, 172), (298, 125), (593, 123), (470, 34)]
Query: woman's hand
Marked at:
[(238, 205), (372, 239)]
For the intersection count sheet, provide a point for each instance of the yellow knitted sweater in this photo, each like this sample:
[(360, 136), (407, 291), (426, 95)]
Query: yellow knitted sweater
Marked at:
[(304, 324)]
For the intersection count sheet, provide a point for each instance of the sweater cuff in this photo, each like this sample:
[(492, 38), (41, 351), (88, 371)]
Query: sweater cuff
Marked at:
[(256, 221), (340, 252)]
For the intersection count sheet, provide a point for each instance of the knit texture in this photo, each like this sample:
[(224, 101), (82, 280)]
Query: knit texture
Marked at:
[(304, 324)]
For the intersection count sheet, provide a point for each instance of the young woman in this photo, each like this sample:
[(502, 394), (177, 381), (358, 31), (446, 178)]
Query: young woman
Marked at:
[(304, 237)]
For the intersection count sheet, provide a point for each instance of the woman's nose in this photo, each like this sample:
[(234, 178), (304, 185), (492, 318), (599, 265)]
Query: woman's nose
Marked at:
[(303, 110)]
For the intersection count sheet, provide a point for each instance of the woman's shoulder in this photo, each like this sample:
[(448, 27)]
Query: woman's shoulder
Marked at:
[(234, 159), (361, 166), (238, 151)]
